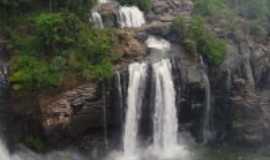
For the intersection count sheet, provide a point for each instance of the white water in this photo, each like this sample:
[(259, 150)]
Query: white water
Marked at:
[(165, 117), (4, 154), (131, 17), (97, 20), (137, 77), (206, 131), (119, 89), (158, 43), (103, 1), (27, 154), (207, 134)]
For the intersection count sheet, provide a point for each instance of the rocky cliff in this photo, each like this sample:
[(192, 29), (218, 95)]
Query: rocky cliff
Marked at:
[(239, 87)]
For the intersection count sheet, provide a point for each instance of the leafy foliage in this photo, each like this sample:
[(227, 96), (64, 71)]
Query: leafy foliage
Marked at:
[(10, 8), (209, 7), (56, 32), (248, 17), (31, 73), (60, 44), (35, 143), (198, 40)]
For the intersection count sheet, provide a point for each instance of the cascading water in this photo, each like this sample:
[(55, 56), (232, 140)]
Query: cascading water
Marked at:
[(137, 77), (120, 93), (167, 142), (97, 19), (165, 118), (4, 154), (131, 17), (206, 130), (207, 134), (158, 44), (103, 1)]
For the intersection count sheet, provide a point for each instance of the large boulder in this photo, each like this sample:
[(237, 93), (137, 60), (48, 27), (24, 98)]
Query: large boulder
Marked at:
[(73, 113), (128, 46)]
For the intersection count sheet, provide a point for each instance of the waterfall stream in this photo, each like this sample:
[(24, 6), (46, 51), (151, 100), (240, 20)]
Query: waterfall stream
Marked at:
[(131, 17), (120, 93), (206, 126), (165, 118), (137, 77), (97, 19), (103, 1), (4, 154)]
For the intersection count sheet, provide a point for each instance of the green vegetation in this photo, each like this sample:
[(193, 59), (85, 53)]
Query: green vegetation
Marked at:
[(56, 45), (250, 17), (30, 72), (24, 7), (56, 32), (196, 39), (144, 5), (35, 143), (209, 7)]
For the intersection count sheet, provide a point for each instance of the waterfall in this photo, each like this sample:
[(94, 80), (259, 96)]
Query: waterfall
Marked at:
[(137, 77), (159, 48), (165, 117), (206, 130), (130, 17), (165, 114), (120, 93), (158, 43), (4, 154), (97, 19), (207, 134), (103, 1)]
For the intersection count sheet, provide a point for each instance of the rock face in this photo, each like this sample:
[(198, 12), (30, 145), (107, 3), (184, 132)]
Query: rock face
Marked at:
[(240, 87), (108, 12), (74, 112), (248, 116), (166, 10), (128, 46), (246, 87)]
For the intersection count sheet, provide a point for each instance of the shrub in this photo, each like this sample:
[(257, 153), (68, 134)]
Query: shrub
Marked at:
[(65, 45), (93, 57), (56, 32), (196, 39), (31, 73), (35, 143), (79, 7), (96, 44), (209, 7)]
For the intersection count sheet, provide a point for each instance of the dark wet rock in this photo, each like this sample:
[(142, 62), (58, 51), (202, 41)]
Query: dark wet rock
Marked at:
[(128, 46), (166, 10), (73, 112), (246, 70), (108, 12), (248, 124), (158, 28)]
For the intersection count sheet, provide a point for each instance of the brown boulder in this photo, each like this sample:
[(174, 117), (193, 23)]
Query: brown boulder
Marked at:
[(73, 112), (128, 46)]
